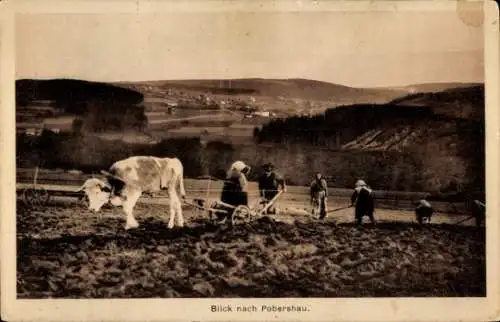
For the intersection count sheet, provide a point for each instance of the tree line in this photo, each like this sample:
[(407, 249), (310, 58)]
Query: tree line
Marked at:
[(385, 170)]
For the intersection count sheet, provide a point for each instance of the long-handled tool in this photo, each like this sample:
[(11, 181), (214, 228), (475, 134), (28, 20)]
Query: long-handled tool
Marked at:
[(270, 203), (337, 209), (463, 220)]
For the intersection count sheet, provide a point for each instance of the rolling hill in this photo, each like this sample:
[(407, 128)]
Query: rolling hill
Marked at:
[(70, 92), (284, 97), (454, 122), (288, 88), (100, 106), (433, 87), (442, 135), (146, 105), (402, 123)]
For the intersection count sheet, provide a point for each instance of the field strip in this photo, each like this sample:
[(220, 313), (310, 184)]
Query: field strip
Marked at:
[(293, 211), (294, 200), (198, 117)]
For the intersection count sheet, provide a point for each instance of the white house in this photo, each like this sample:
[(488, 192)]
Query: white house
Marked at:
[(262, 113)]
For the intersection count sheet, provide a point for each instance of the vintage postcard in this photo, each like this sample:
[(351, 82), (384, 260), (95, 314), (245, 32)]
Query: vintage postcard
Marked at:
[(249, 160)]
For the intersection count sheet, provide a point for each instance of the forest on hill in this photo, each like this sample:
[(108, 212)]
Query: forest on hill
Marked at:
[(99, 106), (443, 133)]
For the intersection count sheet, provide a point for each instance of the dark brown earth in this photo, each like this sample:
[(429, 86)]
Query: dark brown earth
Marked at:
[(67, 252)]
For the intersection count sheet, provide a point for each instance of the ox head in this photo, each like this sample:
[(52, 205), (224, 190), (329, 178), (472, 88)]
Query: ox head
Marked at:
[(98, 193)]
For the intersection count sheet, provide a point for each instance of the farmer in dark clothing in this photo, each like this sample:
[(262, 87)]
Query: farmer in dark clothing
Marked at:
[(234, 191), (424, 212), (319, 192), (270, 183), (362, 198)]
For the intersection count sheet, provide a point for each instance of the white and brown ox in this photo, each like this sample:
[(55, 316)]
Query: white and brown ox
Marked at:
[(128, 179)]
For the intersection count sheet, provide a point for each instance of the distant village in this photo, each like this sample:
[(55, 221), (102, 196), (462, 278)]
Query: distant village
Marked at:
[(172, 100), (37, 116)]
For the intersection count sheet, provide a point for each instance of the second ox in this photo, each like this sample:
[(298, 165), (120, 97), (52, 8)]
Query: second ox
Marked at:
[(127, 179)]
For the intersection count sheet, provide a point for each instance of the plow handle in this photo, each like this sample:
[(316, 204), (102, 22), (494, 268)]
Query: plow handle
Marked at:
[(270, 203)]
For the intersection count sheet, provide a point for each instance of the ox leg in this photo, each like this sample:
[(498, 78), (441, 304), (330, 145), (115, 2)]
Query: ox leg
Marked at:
[(178, 213), (181, 184), (175, 209), (128, 208)]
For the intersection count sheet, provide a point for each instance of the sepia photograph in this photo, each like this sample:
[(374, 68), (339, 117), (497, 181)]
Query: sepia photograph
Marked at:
[(250, 151)]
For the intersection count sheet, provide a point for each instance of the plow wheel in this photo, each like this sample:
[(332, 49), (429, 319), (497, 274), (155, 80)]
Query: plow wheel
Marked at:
[(35, 197), (214, 218), (241, 214)]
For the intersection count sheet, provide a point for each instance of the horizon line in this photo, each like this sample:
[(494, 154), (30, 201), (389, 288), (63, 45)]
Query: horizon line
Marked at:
[(256, 78)]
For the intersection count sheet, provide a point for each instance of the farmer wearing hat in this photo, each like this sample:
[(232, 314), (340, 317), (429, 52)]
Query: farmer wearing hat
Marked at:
[(362, 199), (234, 191), (270, 183), (319, 190)]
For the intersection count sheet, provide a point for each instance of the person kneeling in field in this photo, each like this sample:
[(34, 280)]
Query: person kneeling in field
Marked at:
[(479, 212), (319, 190), (235, 189), (363, 200), (424, 212), (270, 183)]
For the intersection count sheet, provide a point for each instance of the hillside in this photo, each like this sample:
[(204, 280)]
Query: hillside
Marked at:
[(283, 96), (98, 106), (460, 102), (442, 132), (294, 88), (455, 122), (433, 87), (103, 107), (148, 105), (401, 124), (65, 91)]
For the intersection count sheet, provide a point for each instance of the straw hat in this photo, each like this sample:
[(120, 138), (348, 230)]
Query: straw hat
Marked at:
[(360, 183), (238, 166)]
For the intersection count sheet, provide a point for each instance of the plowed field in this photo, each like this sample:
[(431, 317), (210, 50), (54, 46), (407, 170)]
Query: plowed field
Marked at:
[(65, 251)]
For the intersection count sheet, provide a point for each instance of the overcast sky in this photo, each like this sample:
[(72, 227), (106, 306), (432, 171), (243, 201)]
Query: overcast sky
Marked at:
[(350, 48)]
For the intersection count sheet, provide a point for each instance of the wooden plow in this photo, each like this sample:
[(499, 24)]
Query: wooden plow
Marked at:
[(220, 212)]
